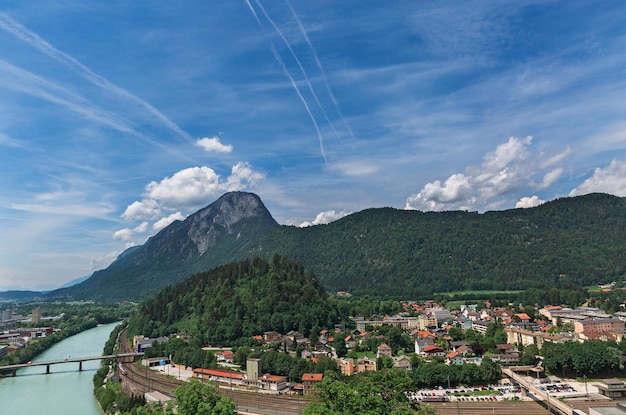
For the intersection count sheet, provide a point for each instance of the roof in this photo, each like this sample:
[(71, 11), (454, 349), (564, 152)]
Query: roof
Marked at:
[(384, 346), (273, 378), (428, 349), (312, 377), (220, 373), (523, 316)]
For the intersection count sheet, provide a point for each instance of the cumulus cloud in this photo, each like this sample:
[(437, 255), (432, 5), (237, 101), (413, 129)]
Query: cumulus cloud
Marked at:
[(242, 176), (325, 217), (213, 145), (164, 222), (186, 188), (611, 179), (146, 209), (123, 234), (435, 196), (126, 234), (509, 167), (529, 202)]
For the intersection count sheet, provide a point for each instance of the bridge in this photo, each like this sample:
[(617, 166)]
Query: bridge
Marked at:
[(554, 405), (13, 368)]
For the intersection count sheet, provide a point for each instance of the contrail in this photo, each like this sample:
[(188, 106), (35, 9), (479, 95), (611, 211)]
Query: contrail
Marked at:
[(254, 12), (295, 57), (19, 31), (293, 83), (319, 65)]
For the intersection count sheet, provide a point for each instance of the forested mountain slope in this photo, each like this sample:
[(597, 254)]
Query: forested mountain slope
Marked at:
[(386, 252), (409, 254), (210, 237), (238, 300)]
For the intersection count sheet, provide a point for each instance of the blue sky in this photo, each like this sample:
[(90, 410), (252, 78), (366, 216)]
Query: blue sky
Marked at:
[(119, 117)]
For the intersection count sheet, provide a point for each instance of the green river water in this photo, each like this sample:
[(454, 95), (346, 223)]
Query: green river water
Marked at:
[(65, 390)]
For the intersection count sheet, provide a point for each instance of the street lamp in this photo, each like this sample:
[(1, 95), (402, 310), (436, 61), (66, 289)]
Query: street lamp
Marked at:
[(586, 390)]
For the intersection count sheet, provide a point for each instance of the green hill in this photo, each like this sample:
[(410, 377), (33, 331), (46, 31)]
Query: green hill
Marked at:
[(238, 300), (386, 252)]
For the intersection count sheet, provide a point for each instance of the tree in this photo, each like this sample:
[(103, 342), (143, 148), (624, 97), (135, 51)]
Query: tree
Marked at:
[(197, 398), (368, 393), (490, 370)]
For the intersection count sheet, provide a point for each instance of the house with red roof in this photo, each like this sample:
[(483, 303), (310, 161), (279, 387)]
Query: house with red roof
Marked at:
[(309, 380)]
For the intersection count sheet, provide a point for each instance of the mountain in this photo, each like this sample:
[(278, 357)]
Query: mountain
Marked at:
[(238, 300), (386, 252), (20, 295), (206, 239)]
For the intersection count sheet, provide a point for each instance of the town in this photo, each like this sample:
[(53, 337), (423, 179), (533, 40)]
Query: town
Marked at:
[(498, 348)]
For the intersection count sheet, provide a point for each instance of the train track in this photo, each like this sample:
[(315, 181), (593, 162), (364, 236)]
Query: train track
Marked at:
[(486, 408)]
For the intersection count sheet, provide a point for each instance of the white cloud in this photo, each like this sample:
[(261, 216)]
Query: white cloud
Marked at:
[(529, 202), (126, 234), (511, 166), (550, 178), (123, 234), (164, 222), (325, 217), (146, 209), (141, 228), (507, 153), (186, 188), (355, 168), (611, 179), (241, 176), (435, 196), (213, 144)]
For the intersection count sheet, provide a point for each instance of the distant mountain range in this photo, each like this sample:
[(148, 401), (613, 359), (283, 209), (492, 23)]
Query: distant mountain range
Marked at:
[(384, 252)]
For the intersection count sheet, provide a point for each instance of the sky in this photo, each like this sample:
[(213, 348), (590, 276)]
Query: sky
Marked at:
[(119, 117)]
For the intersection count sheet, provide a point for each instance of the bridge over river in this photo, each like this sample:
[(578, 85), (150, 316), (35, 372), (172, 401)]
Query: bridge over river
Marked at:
[(13, 368)]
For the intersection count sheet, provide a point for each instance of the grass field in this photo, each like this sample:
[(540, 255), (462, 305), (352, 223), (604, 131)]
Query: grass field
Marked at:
[(485, 293)]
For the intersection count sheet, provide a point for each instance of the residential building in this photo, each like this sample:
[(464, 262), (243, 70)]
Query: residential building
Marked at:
[(365, 365), (454, 358), (598, 325), (384, 351), (346, 366), (402, 362), (309, 380)]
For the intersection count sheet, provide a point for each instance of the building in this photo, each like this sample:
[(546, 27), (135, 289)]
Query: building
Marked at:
[(619, 409), (384, 350), (365, 365), (221, 376), (612, 388), (346, 366), (272, 383), (309, 380), (598, 325), (253, 369), (402, 362), (454, 358), (36, 316), (480, 326)]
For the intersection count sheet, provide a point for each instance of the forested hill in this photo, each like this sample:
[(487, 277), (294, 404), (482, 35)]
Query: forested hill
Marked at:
[(386, 252), (410, 254), (238, 300)]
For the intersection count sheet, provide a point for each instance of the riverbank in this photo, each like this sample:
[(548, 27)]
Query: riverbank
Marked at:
[(65, 390)]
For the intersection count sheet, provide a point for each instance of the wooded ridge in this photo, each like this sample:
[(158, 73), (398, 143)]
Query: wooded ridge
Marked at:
[(386, 252)]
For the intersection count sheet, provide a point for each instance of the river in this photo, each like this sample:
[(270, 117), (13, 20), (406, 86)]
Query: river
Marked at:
[(65, 390)]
